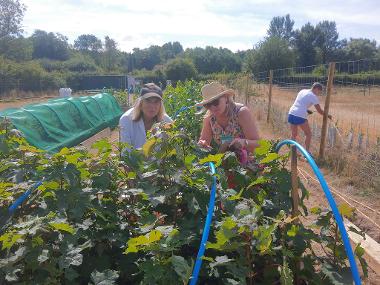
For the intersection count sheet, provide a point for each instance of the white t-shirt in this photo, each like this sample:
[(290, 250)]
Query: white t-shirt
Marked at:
[(133, 132), (305, 99)]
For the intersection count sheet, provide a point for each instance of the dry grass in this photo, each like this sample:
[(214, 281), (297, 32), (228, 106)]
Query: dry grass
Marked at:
[(349, 107)]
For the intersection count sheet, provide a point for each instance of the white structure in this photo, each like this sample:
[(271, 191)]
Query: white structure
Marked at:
[(65, 92)]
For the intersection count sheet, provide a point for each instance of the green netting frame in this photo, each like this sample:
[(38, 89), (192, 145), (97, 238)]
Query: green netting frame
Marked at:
[(65, 122)]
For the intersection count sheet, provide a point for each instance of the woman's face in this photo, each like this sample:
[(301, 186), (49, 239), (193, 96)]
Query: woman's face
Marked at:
[(218, 106), (151, 107)]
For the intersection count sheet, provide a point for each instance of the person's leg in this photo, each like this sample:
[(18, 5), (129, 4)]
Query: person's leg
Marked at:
[(294, 129), (306, 129)]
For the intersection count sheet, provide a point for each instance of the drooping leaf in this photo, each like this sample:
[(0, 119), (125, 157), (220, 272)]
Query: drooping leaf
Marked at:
[(181, 267), (106, 277), (345, 210)]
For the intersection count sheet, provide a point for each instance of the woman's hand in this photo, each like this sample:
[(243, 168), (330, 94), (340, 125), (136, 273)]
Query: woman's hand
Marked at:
[(204, 144), (237, 143)]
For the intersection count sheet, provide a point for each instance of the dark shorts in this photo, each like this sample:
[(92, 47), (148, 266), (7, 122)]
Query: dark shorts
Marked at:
[(294, 120)]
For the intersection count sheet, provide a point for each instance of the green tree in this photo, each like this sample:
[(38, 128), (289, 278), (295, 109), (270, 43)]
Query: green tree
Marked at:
[(110, 53), (81, 63), (305, 41), (272, 53), (18, 49), (89, 43), (171, 50), (11, 15), (212, 60), (360, 48), (180, 69), (281, 27), (50, 45), (327, 40)]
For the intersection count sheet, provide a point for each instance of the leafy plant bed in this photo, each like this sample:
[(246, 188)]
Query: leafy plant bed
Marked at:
[(137, 218)]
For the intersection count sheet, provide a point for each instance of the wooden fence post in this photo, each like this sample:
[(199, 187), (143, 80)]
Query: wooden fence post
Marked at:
[(246, 91), (326, 110), (294, 173), (270, 94)]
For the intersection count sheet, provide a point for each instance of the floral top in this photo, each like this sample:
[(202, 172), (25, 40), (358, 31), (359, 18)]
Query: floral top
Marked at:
[(231, 131)]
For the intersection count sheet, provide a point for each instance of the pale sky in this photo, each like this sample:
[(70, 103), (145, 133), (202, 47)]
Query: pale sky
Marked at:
[(233, 24)]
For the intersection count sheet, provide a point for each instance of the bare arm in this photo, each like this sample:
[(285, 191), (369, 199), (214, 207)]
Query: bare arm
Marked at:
[(206, 133), (320, 111), (249, 128)]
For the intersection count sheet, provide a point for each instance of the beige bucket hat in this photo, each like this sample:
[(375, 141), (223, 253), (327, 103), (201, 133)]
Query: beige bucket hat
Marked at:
[(213, 91)]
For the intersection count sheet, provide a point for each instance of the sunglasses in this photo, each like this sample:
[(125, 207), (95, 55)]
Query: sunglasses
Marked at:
[(214, 103)]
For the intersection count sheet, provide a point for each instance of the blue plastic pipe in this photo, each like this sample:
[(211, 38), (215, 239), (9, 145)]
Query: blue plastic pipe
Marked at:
[(23, 197), (334, 208), (184, 108), (206, 229)]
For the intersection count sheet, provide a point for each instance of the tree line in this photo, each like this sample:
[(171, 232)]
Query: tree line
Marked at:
[(46, 60)]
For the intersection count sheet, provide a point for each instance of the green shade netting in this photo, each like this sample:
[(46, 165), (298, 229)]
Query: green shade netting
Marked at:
[(64, 122)]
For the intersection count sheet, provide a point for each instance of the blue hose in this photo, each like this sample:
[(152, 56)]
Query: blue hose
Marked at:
[(23, 197), (184, 108), (206, 229), (337, 216)]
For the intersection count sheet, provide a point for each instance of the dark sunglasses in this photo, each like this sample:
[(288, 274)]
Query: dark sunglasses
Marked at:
[(214, 103)]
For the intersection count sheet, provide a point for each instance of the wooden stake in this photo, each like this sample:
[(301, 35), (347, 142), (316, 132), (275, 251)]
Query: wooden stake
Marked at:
[(246, 91), (294, 172), (270, 94), (326, 109)]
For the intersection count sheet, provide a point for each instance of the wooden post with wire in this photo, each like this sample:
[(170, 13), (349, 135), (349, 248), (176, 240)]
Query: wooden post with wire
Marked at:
[(246, 91), (295, 202), (326, 109), (294, 175), (270, 94)]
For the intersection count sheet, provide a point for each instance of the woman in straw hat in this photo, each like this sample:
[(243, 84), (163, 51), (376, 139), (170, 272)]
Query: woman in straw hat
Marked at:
[(229, 124)]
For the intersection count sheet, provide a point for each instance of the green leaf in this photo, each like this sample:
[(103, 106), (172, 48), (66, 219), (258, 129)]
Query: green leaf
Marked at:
[(181, 267), (62, 227), (220, 260), (292, 232), (270, 157), (9, 239), (147, 147), (43, 256), (37, 241), (336, 274), (53, 185), (345, 210), (264, 147), (315, 210), (143, 240), (259, 180), (359, 252), (105, 277), (189, 160), (215, 158)]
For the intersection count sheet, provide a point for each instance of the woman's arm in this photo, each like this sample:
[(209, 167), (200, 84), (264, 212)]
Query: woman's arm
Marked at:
[(206, 133), (320, 111), (125, 130), (249, 128)]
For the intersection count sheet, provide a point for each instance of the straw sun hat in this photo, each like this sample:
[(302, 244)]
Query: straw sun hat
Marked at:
[(213, 91)]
